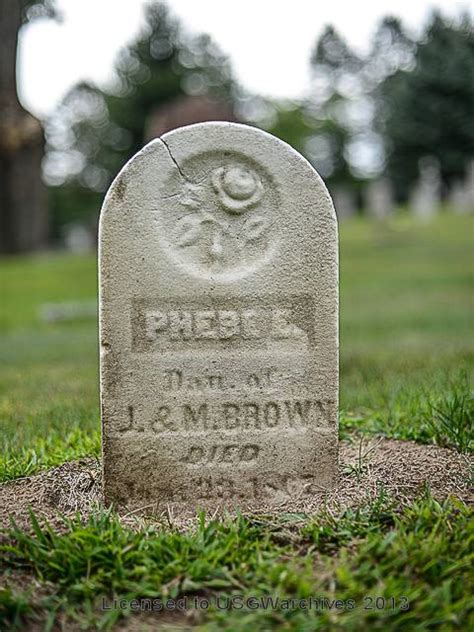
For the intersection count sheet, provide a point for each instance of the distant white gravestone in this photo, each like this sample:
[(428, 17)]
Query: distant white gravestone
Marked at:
[(379, 199), (425, 197), (218, 324)]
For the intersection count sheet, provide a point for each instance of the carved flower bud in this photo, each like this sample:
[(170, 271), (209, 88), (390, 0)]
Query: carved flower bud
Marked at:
[(237, 187)]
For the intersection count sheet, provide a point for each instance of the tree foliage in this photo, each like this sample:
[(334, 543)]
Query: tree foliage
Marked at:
[(96, 130), (366, 114), (406, 99), (343, 100), (427, 110)]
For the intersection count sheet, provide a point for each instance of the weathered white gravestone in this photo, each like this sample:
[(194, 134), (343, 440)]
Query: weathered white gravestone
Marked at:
[(461, 196), (218, 323), (425, 197), (379, 199)]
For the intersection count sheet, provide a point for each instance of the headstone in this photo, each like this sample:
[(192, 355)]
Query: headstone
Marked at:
[(218, 324), (425, 197), (185, 110), (461, 195), (78, 238), (379, 199), (63, 312), (458, 199)]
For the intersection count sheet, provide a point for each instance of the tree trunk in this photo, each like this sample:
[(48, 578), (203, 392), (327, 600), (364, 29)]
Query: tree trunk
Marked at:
[(23, 208)]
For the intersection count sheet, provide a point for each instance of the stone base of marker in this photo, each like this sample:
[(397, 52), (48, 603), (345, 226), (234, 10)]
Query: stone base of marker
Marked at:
[(218, 324)]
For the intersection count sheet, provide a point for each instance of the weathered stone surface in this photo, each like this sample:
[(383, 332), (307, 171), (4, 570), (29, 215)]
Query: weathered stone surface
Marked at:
[(218, 323)]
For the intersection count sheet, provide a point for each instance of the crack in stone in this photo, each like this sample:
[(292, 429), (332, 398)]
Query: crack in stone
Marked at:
[(181, 173), (171, 195)]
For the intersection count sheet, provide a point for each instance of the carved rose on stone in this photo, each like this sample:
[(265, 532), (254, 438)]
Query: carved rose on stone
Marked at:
[(237, 188)]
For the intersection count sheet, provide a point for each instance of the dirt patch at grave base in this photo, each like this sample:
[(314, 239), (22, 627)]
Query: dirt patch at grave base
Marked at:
[(402, 468)]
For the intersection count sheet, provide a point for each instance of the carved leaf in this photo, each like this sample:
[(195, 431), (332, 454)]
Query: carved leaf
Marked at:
[(192, 196), (189, 231)]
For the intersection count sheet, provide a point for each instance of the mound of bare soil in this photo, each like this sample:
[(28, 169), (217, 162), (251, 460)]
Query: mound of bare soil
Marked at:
[(402, 468)]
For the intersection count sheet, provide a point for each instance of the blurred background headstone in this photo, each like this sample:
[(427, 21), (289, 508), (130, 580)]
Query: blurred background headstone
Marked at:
[(426, 195), (186, 110), (79, 238), (379, 199), (461, 195), (67, 312)]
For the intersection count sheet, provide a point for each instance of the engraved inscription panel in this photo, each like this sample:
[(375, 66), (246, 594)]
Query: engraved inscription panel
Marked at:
[(221, 324)]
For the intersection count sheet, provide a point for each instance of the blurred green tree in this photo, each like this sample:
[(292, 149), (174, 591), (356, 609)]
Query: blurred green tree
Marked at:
[(365, 115), (426, 109), (345, 94), (286, 119), (336, 80), (95, 131), (319, 126)]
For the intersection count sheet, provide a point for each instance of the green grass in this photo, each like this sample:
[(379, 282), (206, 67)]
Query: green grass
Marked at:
[(406, 359), (392, 570), (406, 343), (49, 375), (440, 413), (450, 417)]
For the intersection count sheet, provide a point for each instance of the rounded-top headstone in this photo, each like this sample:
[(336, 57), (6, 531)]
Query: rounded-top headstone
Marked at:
[(218, 324)]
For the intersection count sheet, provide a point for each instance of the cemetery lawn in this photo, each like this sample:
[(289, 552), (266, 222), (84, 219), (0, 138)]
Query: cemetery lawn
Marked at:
[(407, 349)]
